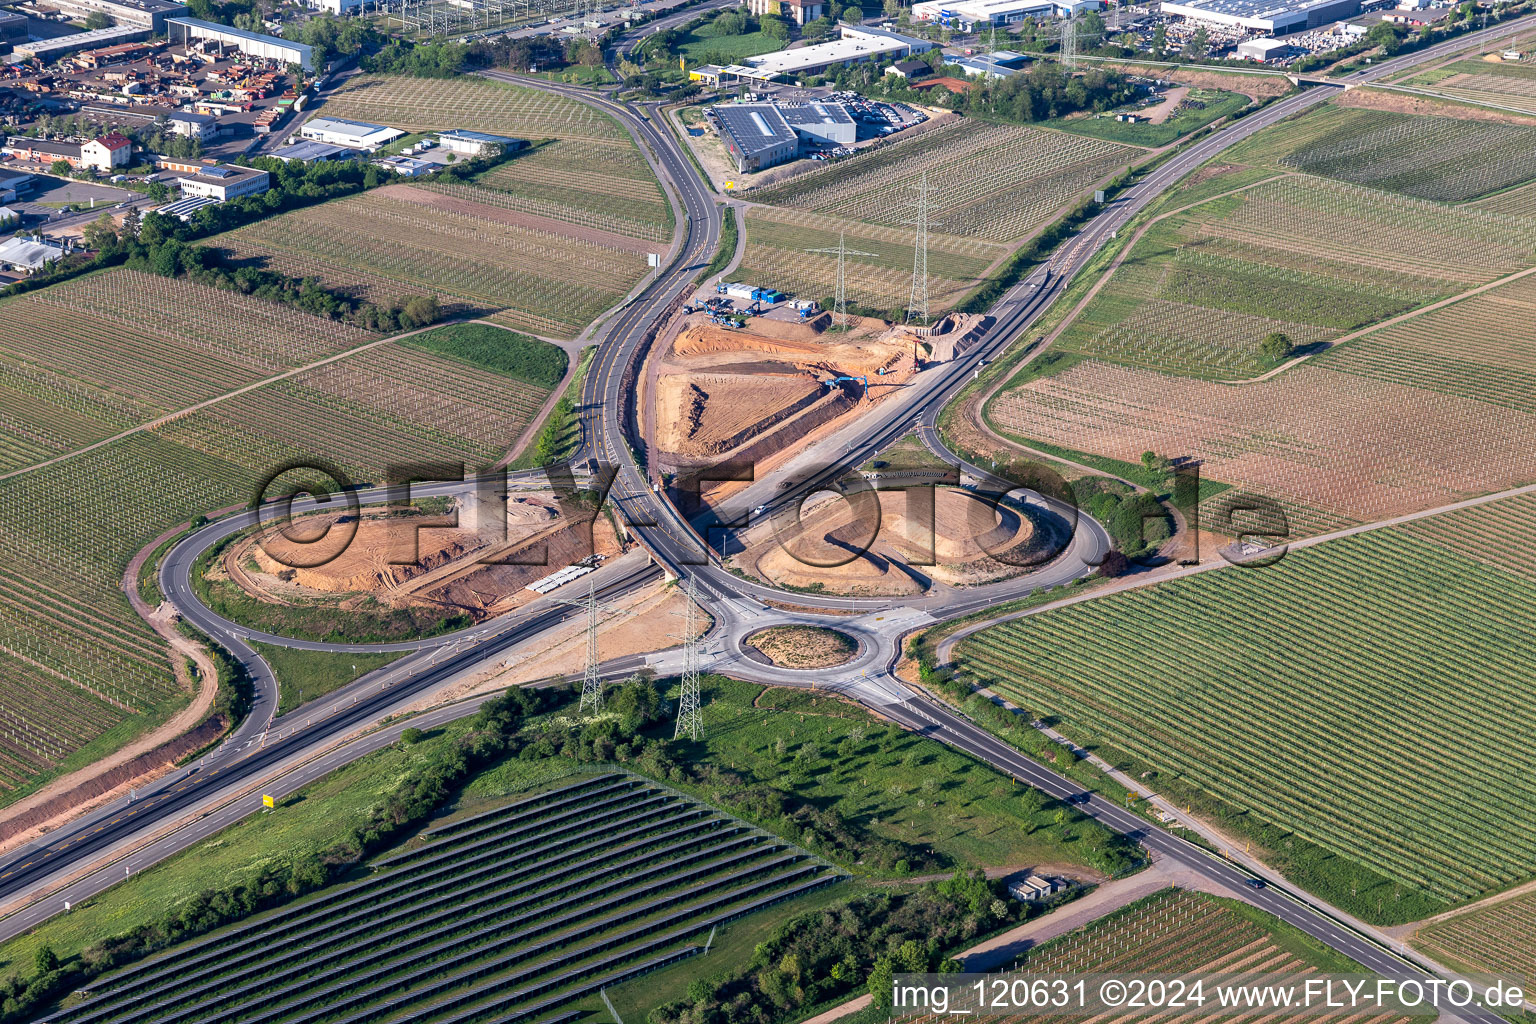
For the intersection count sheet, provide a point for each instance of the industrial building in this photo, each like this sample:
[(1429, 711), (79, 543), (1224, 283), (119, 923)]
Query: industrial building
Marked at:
[(50, 50), (184, 30), (756, 135), (28, 254), (1271, 17), (13, 27), (967, 15), (406, 166), (194, 126), (13, 185), (801, 11), (857, 43), (103, 154), (760, 135), (308, 151), (829, 123), (1264, 49), (150, 14), (470, 143), (352, 134), (224, 182)]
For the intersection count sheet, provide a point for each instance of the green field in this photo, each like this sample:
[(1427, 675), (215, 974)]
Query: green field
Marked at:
[(1308, 707), (498, 350), (1446, 159), (902, 788), (1200, 108), (1298, 255), (469, 101), (78, 655), (303, 676)]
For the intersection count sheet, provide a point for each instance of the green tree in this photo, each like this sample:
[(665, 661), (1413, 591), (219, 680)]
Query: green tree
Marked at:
[(1276, 346), (60, 168), (97, 20), (45, 961), (412, 736), (1064, 760)]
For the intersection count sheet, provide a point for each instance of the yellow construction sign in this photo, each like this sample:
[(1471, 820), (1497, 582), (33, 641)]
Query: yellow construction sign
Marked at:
[(268, 802), (730, 184)]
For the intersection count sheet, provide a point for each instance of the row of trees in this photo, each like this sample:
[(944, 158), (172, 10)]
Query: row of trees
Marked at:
[(856, 943), (1043, 92)]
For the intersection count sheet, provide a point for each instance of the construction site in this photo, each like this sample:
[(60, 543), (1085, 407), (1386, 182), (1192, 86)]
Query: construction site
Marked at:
[(403, 561), (925, 537), (713, 391)]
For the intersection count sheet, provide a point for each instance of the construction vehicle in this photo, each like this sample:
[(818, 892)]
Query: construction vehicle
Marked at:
[(833, 380)]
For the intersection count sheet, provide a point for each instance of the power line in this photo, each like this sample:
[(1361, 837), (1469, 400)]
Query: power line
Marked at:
[(840, 317), (917, 301)]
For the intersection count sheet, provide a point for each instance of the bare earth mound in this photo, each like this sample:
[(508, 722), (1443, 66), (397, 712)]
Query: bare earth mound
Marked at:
[(461, 569), (804, 647), (963, 540)]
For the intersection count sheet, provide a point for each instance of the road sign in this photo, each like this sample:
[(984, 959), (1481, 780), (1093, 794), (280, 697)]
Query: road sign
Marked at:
[(268, 802), (730, 184), (1098, 196)]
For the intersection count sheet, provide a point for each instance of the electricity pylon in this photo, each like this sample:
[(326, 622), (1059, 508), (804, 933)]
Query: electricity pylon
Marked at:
[(917, 301), (591, 682), (840, 317), (690, 716), (1069, 38)]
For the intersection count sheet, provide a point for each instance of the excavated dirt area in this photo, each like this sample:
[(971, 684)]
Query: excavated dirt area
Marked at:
[(759, 392), (456, 569), (804, 647), (909, 553)]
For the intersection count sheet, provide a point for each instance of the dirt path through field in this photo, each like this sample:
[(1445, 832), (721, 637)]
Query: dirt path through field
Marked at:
[(1410, 315), (160, 619), (171, 416)]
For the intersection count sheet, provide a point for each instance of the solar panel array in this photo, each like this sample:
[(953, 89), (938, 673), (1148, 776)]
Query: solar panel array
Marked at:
[(498, 917)]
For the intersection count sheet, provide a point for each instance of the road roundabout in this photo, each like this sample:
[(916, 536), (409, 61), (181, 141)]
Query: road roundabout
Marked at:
[(284, 753)]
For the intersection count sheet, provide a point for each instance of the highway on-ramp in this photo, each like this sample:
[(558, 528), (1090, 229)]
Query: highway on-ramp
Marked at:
[(307, 748)]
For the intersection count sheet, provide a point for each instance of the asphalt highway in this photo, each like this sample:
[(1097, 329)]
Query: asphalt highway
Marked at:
[(304, 745)]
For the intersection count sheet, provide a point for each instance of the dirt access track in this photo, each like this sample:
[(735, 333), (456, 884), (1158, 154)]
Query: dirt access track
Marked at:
[(404, 560), (713, 394)]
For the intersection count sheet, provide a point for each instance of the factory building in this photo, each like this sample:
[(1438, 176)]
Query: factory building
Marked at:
[(470, 143), (308, 151), (150, 14), (50, 50), (13, 27), (103, 154), (223, 182), (184, 30), (800, 11), (1271, 17), (858, 43), (756, 135), (339, 131), (194, 126), (760, 135), (967, 15), (28, 254), (1264, 49)]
